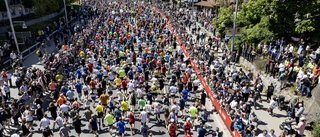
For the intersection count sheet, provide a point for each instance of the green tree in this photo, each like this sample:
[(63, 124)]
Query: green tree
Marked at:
[(40, 6), (224, 17), (315, 129), (3, 7), (27, 3), (53, 6)]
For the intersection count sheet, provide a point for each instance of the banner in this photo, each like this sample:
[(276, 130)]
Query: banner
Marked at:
[(224, 116), (295, 39)]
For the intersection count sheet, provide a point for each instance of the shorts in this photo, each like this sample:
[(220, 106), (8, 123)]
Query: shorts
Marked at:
[(30, 121), (85, 93), (154, 94), (93, 98), (124, 88), (172, 134), (161, 87), (181, 107), (71, 100), (166, 115), (203, 103), (94, 129), (78, 131), (100, 114), (65, 114), (173, 96), (187, 131), (203, 122), (131, 122), (195, 88)]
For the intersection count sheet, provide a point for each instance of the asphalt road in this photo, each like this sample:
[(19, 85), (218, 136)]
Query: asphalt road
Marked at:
[(156, 129)]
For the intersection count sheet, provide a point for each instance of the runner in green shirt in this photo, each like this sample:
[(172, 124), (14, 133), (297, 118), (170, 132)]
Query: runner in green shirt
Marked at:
[(142, 102), (109, 117), (121, 73), (193, 112)]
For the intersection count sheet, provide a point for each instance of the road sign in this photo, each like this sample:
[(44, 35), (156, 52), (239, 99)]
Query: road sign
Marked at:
[(237, 34)]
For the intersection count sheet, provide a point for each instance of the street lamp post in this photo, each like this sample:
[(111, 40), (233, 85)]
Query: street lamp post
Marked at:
[(192, 8), (65, 11), (12, 28), (234, 26)]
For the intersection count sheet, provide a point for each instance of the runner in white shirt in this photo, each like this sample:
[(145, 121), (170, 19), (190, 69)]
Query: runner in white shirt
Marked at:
[(157, 107), (144, 116), (59, 120), (111, 76), (130, 86), (183, 67), (64, 109), (105, 73), (139, 93), (45, 121), (173, 91)]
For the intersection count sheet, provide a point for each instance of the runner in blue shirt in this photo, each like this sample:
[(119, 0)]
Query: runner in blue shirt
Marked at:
[(99, 75), (78, 87), (182, 104), (79, 73), (202, 131), (121, 127), (144, 66), (185, 94)]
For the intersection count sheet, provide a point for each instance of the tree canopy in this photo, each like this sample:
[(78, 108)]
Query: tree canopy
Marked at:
[(262, 19)]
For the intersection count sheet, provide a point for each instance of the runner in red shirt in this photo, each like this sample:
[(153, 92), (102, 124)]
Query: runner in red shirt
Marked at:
[(131, 120), (187, 127), (90, 67), (172, 129), (124, 85)]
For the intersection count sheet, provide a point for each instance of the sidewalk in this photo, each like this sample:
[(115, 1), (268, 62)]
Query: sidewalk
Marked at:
[(266, 121)]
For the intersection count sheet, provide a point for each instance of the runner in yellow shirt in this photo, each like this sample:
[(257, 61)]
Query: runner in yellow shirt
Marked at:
[(118, 82), (124, 105), (99, 109)]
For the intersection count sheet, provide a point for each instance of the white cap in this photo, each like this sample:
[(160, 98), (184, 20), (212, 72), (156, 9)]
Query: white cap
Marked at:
[(189, 119), (302, 118), (172, 120)]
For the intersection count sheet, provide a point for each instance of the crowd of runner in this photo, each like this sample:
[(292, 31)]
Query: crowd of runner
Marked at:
[(124, 66)]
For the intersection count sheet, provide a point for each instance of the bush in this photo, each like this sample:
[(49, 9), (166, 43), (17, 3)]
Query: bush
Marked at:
[(316, 129)]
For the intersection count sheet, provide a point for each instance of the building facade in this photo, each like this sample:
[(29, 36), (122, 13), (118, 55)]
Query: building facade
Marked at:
[(16, 9)]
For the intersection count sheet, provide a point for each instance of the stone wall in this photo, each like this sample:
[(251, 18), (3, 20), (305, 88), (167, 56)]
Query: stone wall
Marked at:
[(266, 80), (312, 106)]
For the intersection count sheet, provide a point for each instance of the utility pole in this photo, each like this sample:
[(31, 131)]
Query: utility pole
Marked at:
[(12, 28), (65, 11), (234, 26)]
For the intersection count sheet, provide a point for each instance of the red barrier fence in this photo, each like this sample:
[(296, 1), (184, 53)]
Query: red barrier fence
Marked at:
[(224, 116)]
